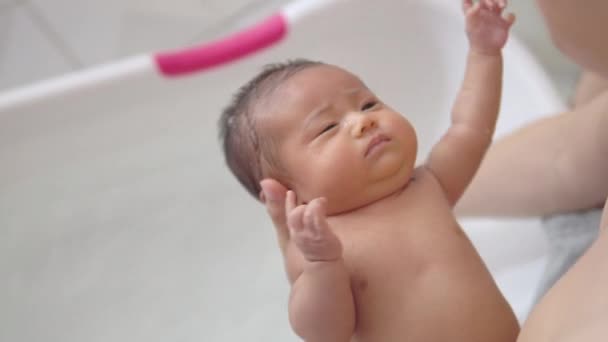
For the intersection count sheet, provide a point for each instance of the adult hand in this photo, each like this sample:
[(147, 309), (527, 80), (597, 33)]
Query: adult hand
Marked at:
[(273, 196)]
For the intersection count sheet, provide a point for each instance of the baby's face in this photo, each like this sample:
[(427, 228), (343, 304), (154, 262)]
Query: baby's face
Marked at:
[(336, 139)]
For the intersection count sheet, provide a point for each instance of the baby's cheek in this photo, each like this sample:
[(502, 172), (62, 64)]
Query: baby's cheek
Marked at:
[(342, 157), (332, 168), (407, 134), (313, 177)]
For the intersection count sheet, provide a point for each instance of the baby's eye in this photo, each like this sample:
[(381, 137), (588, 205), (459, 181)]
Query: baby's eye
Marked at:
[(328, 127), (368, 105)]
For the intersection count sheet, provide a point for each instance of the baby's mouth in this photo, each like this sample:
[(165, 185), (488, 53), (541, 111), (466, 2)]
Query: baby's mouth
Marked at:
[(375, 143)]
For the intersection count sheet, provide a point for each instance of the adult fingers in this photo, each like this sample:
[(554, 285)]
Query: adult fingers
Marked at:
[(274, 197)]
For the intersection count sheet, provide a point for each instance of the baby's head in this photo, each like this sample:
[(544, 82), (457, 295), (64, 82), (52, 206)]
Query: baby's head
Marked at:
[(321, 132)]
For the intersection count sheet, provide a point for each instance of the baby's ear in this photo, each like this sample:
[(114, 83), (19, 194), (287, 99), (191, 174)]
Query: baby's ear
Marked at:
[(262, 197)]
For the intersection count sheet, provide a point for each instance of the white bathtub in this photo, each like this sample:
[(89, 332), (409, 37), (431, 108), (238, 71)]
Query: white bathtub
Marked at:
[(120, 222)]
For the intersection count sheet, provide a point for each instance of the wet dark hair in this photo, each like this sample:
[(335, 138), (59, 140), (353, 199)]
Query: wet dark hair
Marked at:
[(244, 149)]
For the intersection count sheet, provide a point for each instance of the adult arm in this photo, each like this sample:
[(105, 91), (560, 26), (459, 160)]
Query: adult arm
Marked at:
[(575, 309), (555, 164)]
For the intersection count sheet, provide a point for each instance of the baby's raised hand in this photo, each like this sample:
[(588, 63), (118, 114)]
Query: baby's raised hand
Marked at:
[(487, 28), (310, 231)]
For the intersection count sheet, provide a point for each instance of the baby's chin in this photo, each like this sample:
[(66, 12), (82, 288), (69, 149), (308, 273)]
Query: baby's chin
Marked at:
[(360, 189)]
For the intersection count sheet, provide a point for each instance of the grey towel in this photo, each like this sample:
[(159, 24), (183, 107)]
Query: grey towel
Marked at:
[(569, 236)]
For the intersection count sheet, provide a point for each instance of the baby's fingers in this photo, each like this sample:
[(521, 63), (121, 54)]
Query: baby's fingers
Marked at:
[(486, 4), (473, 10), (314, 216), (466, 5), (290, 201), (499, 6), (295, 214), (495, 6), (314, 237), (320, 217), (510, 18)]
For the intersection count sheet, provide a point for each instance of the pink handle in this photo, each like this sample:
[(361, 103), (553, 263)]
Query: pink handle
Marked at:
[(223, 51)]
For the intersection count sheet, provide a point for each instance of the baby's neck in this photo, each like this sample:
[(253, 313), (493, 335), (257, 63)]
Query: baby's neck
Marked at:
[(376, 203)]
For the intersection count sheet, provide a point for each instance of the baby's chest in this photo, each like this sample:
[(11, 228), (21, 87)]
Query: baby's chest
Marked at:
[(399, 240), (402, 233), (379, 254), (399, 271), (391, 273), (400, 247)]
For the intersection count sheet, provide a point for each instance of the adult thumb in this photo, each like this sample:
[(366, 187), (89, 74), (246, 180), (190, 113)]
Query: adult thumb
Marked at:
[(273, 196)]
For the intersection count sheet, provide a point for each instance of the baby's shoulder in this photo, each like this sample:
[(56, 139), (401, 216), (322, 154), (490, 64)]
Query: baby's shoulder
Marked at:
[(422, 176), (423, 185)]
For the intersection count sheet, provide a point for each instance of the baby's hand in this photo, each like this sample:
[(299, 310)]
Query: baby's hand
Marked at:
[(309, 230), (486, 27)]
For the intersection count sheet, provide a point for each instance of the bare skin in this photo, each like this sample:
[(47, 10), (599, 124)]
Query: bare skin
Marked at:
[(371, 245), (407, 274), (573, 176), (568, 149), (576, 308), (579, 31), (589, 87)]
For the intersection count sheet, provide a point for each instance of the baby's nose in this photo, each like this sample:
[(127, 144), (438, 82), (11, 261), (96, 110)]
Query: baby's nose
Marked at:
[(362, 124)]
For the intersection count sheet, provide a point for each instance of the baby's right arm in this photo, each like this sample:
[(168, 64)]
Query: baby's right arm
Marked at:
[(321, 305)]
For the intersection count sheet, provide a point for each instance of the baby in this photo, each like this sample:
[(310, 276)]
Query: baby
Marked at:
[(375, 252)]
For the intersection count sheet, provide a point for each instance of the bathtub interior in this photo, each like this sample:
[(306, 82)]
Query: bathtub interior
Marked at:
[(119, 220)]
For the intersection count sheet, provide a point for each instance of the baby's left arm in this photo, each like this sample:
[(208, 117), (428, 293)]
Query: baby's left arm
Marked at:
[(457, 156)]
